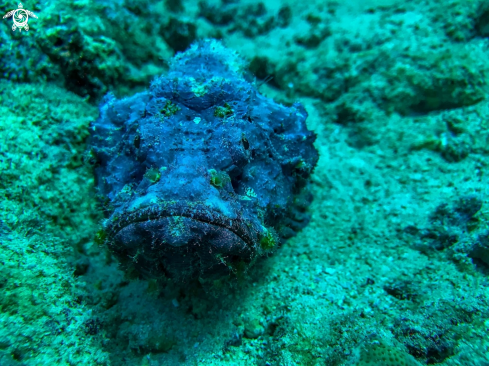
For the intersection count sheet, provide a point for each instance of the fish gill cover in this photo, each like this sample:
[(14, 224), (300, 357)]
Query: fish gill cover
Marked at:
[(201, 174)]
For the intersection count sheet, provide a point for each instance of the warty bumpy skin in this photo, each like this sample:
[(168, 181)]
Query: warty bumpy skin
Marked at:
[(200, 175)]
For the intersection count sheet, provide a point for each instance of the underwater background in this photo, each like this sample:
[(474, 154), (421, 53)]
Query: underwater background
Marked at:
[(392, 269)]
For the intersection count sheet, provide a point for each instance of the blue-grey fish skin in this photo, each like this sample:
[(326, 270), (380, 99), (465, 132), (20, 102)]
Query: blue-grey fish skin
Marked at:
[(200, 174)]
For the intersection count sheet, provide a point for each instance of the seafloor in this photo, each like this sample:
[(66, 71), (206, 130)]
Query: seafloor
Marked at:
[(392, 269)]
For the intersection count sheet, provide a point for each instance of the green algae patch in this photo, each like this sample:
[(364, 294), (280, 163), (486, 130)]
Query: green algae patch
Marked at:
[(224, 111), (153, 175), (100, 237), (218, 179), (269, 240), (169, 109)]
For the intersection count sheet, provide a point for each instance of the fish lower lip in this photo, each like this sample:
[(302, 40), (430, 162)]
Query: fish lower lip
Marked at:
[(198, 212), (180, 240)]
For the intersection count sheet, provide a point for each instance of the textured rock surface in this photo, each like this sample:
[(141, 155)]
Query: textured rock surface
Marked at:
[(201, 173)]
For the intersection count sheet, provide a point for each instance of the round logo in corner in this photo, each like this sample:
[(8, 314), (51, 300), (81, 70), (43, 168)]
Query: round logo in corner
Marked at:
[(20, 17)]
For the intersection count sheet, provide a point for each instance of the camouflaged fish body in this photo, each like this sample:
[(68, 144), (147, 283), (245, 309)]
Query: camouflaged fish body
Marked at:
[(201, 174)]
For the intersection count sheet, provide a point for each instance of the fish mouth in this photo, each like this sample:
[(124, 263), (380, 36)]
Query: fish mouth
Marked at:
[(182, 240), (199, 212)]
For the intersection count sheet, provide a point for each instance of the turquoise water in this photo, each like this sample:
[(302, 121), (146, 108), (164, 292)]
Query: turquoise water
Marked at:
[(392, 267)]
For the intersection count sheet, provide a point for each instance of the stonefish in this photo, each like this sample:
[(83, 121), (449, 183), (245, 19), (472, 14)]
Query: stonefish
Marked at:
[(200, 175)]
